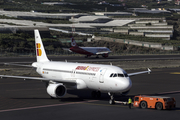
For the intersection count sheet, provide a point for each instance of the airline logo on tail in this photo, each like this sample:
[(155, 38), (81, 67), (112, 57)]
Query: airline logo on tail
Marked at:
[(73, 42), (38, 46)]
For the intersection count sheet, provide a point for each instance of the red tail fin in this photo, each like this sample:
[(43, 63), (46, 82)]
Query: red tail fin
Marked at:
[(73, 42)]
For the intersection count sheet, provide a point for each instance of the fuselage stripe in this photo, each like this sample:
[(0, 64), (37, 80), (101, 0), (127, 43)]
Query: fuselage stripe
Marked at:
[(66, 71)]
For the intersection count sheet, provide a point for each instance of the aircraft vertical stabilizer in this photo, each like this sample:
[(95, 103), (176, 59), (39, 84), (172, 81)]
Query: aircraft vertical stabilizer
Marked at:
[(40, 52), (73, 42)]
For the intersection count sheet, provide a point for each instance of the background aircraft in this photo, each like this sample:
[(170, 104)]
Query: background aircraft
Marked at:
[(59, 76), (88, 51)]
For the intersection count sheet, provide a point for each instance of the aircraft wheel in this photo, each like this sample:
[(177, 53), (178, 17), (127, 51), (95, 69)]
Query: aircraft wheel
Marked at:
[(111, 102), (52, 97), (93, 94), (98, 94)]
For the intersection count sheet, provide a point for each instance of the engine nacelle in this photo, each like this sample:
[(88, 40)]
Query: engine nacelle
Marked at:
[(56, 90), (80, 84)]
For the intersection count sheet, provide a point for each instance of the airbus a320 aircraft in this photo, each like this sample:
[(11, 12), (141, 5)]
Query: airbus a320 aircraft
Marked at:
[(88, 51), (62, 75)]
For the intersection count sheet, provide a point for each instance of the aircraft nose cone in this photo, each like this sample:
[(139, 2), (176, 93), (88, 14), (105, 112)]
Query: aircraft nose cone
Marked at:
[(127, 84)]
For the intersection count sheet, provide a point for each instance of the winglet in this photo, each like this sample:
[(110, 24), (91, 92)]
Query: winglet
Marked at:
[(40, 52)]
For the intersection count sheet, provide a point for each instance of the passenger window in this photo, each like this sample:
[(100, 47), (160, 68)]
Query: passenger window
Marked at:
[(111, 75), (120, 75), (115, 75), (136, 98)]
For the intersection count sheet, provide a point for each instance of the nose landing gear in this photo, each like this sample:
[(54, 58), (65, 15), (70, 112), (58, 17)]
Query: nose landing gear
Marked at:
[(111, 101)]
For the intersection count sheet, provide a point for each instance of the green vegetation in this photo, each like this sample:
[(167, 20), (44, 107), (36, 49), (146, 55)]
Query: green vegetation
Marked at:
[(23, 43), (81, 5), (22, 5)]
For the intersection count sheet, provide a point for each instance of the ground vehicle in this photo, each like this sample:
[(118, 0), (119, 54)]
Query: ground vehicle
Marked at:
[(157, 102)]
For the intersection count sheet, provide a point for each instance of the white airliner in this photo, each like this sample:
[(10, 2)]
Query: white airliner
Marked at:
[(88, 51), (63, 75)]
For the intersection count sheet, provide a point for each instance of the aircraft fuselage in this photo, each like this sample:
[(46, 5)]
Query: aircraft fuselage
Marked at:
[(91, 76)]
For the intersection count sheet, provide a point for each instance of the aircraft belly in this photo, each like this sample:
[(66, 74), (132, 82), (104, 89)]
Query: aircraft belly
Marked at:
[(81, 51), (96, 85)]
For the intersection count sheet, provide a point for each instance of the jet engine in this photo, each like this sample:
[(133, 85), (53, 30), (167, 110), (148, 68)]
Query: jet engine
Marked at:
[(56, 90)]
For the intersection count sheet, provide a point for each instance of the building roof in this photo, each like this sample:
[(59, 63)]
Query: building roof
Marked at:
[(112, 13), (77, 25), (118, 22), (175, 10), (90, 18), (38, 14), (152, 11)]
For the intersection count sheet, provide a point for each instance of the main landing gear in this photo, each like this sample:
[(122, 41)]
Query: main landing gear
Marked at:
[(96, 94), (87, 56), (111, 101)]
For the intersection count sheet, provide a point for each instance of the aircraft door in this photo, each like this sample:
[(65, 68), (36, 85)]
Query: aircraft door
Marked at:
[(73, 73), (101, 77)]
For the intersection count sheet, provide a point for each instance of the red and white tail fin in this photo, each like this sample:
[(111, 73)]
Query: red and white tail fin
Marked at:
[(40, 52), (73, 42)]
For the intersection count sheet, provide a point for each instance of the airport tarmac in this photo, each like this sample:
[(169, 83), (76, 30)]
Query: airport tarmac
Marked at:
[(92, 59), (28, 100)]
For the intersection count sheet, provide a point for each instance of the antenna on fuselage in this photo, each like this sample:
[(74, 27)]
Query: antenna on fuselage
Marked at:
[(66, 61), (110, 63)]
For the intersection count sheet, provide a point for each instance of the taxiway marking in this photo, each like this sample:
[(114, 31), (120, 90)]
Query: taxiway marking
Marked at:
[(36, 107)]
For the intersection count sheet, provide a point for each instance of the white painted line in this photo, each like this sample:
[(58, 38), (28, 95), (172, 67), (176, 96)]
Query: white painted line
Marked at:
[(35, 107)]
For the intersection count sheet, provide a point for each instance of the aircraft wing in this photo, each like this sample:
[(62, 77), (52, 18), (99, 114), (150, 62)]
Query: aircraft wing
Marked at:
[(103, 52), (19, 65), (136, 73), (38, 78), (67, 49)]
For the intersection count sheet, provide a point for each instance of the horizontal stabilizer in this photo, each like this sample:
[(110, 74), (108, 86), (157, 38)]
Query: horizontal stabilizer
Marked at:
[(19, 65)]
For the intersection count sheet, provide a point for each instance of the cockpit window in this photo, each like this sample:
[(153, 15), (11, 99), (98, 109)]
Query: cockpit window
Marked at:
[(120, 75), (126, 75), (111, 75), (115, 75)]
